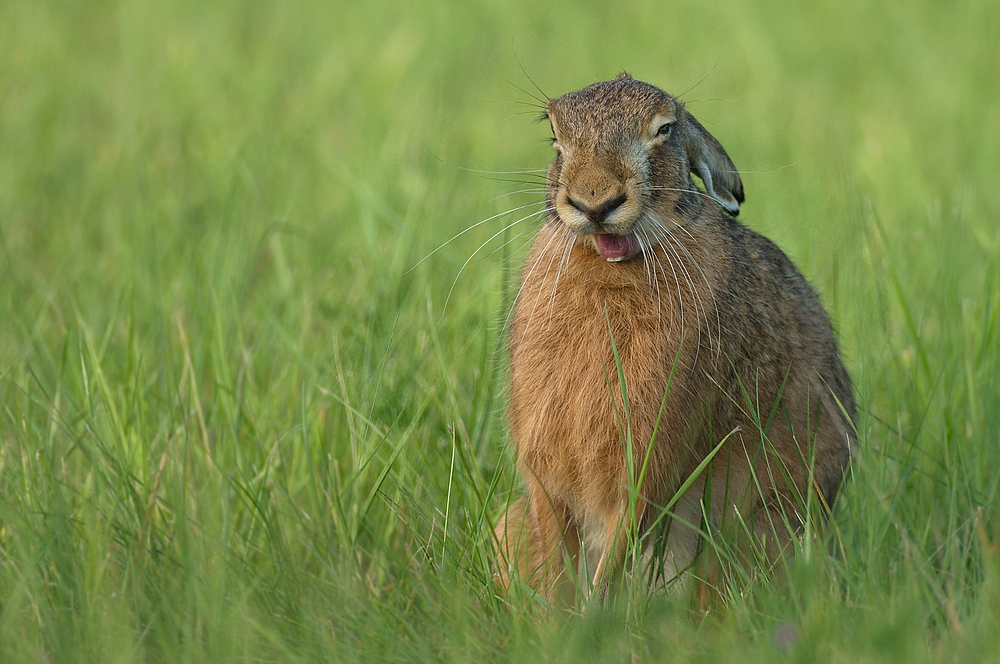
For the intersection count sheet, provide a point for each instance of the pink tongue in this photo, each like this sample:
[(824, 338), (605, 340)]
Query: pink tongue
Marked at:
[(613, 246)]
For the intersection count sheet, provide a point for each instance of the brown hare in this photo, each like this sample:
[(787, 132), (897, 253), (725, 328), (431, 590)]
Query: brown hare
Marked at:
[(658, 346)]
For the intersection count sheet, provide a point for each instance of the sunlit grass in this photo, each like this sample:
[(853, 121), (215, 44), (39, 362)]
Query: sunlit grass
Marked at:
[(236, 425)]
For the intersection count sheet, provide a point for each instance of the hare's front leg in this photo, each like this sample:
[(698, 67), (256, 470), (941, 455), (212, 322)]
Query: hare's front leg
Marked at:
[(513, 534), (534, 535), (619, 532)]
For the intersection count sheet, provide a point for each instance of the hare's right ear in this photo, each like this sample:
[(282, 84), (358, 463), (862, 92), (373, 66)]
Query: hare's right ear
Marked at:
[(711, 163)]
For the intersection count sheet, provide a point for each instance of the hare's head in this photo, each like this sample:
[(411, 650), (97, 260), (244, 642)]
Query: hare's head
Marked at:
[(625, 151)]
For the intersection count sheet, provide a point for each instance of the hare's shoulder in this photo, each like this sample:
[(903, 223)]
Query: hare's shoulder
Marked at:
[(761, 275)]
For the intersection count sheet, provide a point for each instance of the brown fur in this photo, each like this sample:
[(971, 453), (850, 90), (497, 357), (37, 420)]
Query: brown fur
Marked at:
[(754, 352)]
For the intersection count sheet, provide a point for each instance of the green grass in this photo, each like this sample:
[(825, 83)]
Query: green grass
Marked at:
[(235, 427)]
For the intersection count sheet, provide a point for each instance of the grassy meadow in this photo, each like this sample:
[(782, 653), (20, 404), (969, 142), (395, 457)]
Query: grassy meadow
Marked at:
[(250, 412)]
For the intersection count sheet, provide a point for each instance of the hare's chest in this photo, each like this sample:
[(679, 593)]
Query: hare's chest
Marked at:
[(575, 403)]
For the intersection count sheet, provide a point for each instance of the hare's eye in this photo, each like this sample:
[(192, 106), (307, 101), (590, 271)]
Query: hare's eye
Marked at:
[(665, 129)]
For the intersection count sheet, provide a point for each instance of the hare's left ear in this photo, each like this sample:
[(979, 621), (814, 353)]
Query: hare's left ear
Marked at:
[(711, 163)]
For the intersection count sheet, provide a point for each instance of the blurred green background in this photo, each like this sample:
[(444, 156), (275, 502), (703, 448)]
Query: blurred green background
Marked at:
[(237, 426)]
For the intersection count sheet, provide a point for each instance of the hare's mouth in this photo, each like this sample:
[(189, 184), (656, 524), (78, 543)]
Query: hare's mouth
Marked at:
[(615, 248)]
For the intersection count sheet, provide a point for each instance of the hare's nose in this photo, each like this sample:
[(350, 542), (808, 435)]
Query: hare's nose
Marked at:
[(601, 211)]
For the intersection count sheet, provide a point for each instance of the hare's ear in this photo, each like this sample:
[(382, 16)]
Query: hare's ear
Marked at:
[(711, 163)]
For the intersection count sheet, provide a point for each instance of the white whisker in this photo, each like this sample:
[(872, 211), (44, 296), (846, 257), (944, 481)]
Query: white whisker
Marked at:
[(545, 276), (683, 191), (535, 190), (519, 171), (657, 266), (711, 291), (562, 265), (519, 235), (647, 260), (526, 278), (677, 281), (475, 225), (479, 248), (699, 307)]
